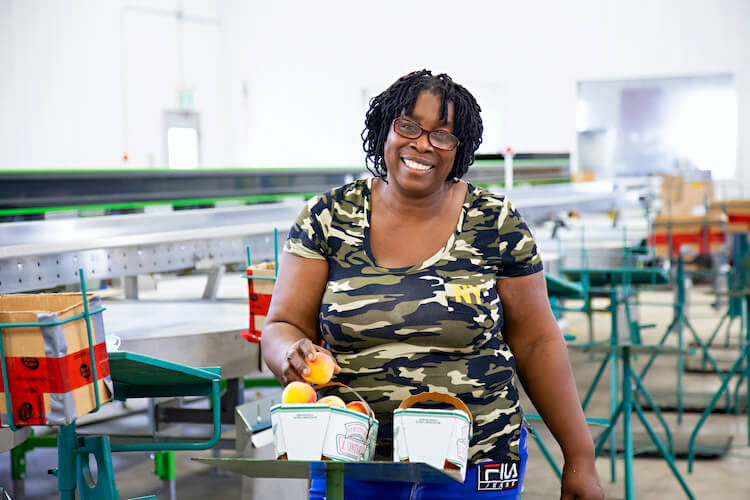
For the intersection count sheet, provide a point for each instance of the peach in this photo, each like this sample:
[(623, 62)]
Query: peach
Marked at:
[(333, 401), (298, 392), (358, 406), (321, 369)]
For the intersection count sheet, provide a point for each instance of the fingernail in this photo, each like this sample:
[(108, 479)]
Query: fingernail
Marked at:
[(311, 356)]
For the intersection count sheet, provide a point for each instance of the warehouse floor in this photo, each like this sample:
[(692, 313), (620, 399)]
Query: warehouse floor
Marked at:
[(724, 478)]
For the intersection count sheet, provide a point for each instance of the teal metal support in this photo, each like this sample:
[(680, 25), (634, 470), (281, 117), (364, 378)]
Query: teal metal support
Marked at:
[(655, 409), (627, 430), (275, 259), (87, 317), (625, 408), (681, 297), (595, 382), (103, 488), (613, 305), (547, 455), (669, 457), (743, 358), (67, 443), (205, 445), (679, 322)]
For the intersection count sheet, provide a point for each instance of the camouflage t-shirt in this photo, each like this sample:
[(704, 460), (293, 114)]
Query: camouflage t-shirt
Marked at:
[(435, 326)]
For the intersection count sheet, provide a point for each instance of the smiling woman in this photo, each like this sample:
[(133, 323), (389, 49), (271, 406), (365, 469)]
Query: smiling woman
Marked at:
[(417, 281)]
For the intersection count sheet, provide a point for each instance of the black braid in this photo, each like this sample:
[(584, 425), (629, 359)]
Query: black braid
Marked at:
[(401, 96)]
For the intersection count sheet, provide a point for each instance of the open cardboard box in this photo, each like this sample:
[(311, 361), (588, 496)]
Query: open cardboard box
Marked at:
[(436, 437), (49, 368), (311, 431)]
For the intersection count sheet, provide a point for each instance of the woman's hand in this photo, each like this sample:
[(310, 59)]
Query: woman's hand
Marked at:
[(294, 367), (580, 481)]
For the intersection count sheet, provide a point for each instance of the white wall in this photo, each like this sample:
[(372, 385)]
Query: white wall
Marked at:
[(280, 82)]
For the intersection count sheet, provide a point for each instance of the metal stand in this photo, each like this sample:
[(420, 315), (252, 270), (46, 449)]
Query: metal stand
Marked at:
[(679, 322), (625, 409), (743, 358)]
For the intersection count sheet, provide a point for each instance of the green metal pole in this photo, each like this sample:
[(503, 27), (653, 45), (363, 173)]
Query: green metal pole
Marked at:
[(67, 443), (710, 407), (597, 377), (334, 482), (18, 463), (545, 451), (669, 458), (627, 431), (613, 386), (680, 315)]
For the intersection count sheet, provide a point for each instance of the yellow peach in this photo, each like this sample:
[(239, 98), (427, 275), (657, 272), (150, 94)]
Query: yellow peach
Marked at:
[(333, 401), (321, 369), (298, 392), (358, 406)]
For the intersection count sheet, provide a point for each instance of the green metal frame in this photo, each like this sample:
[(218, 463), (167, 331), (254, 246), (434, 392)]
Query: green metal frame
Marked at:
[(133, 375), (625, 409), (744, 358), (18, 453), (545, 451), (619, 283), (680, 321), (275, 259)]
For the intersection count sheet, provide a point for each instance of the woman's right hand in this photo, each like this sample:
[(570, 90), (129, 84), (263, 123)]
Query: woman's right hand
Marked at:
[(294, 367)]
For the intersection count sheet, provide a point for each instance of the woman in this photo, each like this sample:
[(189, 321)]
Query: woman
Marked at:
[(418, 281)]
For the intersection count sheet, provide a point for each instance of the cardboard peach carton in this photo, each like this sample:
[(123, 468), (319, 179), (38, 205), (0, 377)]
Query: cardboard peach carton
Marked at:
[(436, 437), (313, 431)]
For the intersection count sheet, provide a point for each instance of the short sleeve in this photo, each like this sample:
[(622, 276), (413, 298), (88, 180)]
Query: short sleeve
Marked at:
[(517, 248), (307, 237)]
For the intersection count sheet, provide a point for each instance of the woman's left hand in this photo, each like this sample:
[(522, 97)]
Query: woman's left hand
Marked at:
[(580, 481)]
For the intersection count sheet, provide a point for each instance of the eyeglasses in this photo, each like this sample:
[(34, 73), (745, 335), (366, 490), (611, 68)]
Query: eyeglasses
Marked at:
[(439, 139)]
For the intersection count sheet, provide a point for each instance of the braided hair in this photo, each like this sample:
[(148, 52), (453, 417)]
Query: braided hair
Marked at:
[(401, 96)]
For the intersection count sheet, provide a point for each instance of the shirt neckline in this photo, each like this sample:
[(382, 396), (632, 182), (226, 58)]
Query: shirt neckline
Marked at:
[(430, 261)]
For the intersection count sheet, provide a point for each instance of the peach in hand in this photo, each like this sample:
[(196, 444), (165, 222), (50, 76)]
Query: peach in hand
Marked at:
[(358, 406), (321, 369), (298, 392), (332, 401)]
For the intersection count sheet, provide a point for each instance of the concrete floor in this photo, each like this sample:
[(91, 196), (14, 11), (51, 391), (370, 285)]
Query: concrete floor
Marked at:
[(724, 478)]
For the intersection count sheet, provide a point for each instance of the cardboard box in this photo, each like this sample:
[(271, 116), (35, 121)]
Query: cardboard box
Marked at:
[(49, 367), (681, 197), (583, 176), (436, 437), (737, 212), (698, 234), (259, 293), (320, 432)]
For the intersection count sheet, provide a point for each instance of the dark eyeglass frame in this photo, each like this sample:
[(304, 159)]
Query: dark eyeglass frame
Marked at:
[(423, 131)]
